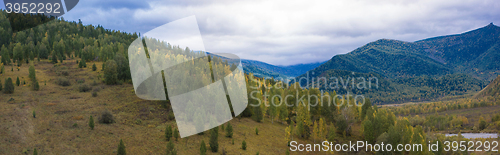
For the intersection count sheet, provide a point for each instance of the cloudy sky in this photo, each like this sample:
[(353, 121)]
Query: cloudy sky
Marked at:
[(284, 32)]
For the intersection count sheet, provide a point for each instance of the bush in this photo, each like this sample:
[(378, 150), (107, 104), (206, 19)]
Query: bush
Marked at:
[(482, 124), (256, 131), (244, 145), (94, 68), (168, 132), (34, 114), (9, 86), (94, 94), (110, 73), (84, 88), (65, 73), (63, 81), (106, 118), (121, 148), (91, 123), (203, 148)]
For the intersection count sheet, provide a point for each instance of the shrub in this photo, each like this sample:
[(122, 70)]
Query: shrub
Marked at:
[(482, 124), (34, 114), (94, 94), (91, 123), (94, 68), (35, 152), (168, 132), (110, 73), (9, 86), (229, 130), (256, 131), (84, 88), (244, 145), (80, 81), (203, 148), (65, 73), (121, 148), (106, 118), (214, 143), (18, 82), (63, 81)]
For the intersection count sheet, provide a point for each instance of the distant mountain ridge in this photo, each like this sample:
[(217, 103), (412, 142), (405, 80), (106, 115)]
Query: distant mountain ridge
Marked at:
[(262, 69), (475, 53)]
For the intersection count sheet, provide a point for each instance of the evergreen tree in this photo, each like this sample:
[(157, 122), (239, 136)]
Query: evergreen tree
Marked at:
[(203, 148), (168, 132), (171, 148), (214, 143), (35, 86), (368, 131), (244, 145), (35, 152), (121, 148), (18, 82), (94, 68), (366, 106), (5, 55), (32, 74), (257, 114), (54, 57), (9, 86), (229, 130), (176, 134), (110, 73), (91, 123), (256, 131)]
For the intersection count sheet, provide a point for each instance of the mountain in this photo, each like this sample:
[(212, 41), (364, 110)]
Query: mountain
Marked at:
[(475, 53), (493, 89), (261, 69), (414, 71)]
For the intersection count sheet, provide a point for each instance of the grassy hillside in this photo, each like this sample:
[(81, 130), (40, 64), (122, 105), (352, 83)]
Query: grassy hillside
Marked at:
[(492, 90)]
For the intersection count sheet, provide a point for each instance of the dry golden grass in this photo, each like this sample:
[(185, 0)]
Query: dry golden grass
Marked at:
[(62, 115)]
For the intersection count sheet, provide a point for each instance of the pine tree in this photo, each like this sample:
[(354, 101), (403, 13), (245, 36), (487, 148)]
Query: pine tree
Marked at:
[(34, 114), (35, 86), (256, 131), (244, 145), (94, 68), (91, 123), (9, 86), (257, 114), (121, 148), (168, 132), (368, 131), (54, 57), (18, 82), (171, 148), (32, 74), (214, 143), (176, 134), (35, 152), (110, 73), (203, 148), (229, 130)]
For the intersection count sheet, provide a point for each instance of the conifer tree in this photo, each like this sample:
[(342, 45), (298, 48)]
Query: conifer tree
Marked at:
[(9, 86), (18, 82), (176, 134), (91, 123), (35, 152), (244, 145), (229, 130), (214, 143), (203, 148), (168, 132), (121, 148)]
